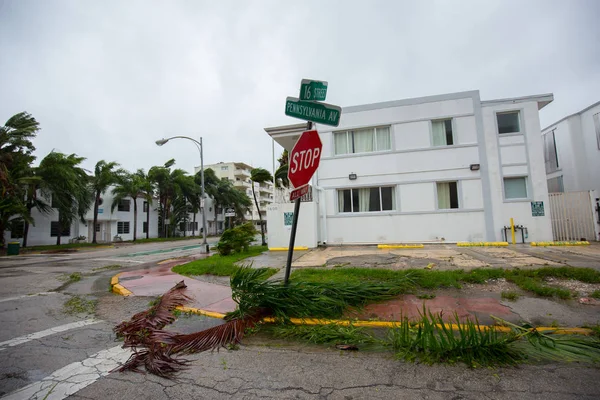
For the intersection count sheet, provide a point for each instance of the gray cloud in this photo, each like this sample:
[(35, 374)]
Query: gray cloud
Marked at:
[(106, 79)]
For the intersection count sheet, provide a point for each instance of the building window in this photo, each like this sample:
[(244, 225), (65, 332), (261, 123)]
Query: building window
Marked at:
[(145, 209), (447, 195), (515, 188), (97, 227), (362, 140), (442, 132), (54, 202), (555, 185), (66, 231), (366, 199), (508, 122), (597, 126), (144, 227), (550, 154), (123, 227), (124, 205), (17, 229), (224, 168)]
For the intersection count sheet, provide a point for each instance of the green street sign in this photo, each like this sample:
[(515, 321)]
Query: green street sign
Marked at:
[(537, 208), (313, 90), (321, 113)]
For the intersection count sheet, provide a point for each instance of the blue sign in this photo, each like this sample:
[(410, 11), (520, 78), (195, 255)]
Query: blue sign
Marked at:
[(100, 210)]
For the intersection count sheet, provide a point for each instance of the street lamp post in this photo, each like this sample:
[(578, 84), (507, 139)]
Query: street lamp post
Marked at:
[(203, 205)]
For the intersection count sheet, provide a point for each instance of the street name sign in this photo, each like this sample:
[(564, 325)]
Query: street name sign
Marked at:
[(230, 212), (304, 158), (313, 90), (298, 192), (321, 113)]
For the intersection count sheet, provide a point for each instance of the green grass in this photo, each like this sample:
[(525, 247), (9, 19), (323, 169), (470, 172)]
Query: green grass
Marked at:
[(509, 295), (595, 294), (531, 280), (79, 305), (221, 265), (108, 267)]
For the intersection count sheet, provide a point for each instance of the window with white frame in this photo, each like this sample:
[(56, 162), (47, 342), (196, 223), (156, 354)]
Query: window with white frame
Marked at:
[(597, 126), (145, 209), (515, 188), (124, 205), (550, 153), (508, 122), (447, 195), (362, 140), (441, 131), (224, 168), (366, 199), (555, 185), (123, 227), (144, 227), (55, 228)]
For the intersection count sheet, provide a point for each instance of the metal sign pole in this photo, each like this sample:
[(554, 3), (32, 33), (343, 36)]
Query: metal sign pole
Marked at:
[(288, 265)]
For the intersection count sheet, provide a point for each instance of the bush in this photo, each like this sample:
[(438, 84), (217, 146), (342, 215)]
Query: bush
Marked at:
[(237, 239)]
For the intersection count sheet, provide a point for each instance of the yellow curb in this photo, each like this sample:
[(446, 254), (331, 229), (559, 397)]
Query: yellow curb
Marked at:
[(286, 248), (400, 246), (167, 261), (481, 244), (211, 314), (391, 324), (115, 279), (118, 289), (584, 243)]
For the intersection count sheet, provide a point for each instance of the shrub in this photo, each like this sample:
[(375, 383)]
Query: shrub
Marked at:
[(237, 239)]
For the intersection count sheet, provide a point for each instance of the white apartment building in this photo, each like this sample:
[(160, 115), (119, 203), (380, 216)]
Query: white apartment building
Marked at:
[(443, 168), (572, 151), (238, 173), (111, 225)]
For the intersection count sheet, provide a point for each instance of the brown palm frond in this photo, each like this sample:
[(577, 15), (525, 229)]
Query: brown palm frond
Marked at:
[(231, 332), (156, 359), (139, 328)]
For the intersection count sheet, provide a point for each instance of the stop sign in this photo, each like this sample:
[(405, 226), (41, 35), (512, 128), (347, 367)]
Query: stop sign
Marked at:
[(304, 158)]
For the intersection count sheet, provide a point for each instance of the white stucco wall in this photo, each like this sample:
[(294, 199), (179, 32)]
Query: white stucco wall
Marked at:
[(517, 155), (578, 152), (279, 233)]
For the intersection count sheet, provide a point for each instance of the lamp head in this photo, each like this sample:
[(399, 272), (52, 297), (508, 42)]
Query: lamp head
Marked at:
[(161, 142)]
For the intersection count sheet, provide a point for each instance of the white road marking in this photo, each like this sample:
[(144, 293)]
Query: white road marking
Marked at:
[(26, 296), (74, 377), (38, 335)]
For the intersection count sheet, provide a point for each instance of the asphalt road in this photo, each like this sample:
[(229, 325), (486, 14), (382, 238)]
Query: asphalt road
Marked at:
[(48, 353)]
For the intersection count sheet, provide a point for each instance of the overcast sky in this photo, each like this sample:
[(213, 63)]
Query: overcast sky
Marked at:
[(107, 78)]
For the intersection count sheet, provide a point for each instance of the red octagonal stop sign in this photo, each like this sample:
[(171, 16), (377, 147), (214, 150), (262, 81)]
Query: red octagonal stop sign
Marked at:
[(304, 158)]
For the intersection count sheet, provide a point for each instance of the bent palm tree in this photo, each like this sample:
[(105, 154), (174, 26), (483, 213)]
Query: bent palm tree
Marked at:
[(260, 175), (130, 185)]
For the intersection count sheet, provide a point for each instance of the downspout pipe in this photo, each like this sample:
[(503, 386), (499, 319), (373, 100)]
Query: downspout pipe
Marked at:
[(322, 211)]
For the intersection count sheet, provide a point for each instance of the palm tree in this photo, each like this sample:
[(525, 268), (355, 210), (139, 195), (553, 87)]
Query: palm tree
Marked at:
[(34, 184), (16, 151), (105, 175), (130, 185), (260, 175), (69, 186), (281, 174)]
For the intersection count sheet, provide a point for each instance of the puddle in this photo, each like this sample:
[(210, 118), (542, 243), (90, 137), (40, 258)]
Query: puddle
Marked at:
[(147, 253)]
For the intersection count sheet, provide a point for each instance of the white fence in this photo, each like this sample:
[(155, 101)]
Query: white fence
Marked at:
[(572, 216)]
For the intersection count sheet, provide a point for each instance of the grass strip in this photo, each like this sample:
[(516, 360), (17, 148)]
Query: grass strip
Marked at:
[(221, 265), (531, 280)]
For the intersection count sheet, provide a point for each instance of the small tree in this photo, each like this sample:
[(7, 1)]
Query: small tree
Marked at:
[(236, 240)]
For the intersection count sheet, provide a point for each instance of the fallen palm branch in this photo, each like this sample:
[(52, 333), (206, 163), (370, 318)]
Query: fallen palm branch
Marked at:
[(429, 340)]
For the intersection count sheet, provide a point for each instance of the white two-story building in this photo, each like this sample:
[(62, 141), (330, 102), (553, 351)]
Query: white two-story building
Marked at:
[(444, 168)]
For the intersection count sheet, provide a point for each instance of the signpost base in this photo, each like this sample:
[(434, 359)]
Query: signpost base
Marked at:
[(288, 265)]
